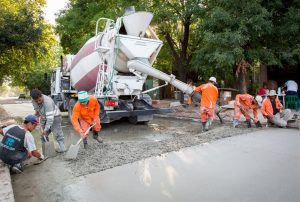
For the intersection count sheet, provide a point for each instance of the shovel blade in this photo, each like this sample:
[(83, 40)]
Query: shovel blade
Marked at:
[(48, 149), (72, 152)]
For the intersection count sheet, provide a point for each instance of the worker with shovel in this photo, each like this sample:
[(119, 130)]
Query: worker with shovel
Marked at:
[(86, 113), (18, 143), (273, 110), (50, 116), (209, 99), (242, 105)]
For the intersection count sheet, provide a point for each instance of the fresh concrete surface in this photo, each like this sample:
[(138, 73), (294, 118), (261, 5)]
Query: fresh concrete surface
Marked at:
[(6, 191), (262, 166)]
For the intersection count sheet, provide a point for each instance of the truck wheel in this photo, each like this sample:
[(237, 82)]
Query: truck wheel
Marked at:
[(71, 104), (133, 119)]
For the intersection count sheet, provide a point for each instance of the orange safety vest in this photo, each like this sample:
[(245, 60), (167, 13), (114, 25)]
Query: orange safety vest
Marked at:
[(88, 114), (209, 95), (246, 101), (267, 109)]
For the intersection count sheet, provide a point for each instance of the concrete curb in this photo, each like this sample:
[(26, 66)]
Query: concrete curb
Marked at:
[(6, 191)]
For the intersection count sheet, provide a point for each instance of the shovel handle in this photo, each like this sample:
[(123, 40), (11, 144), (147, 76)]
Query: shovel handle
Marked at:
[(86, 132), (45, 138)]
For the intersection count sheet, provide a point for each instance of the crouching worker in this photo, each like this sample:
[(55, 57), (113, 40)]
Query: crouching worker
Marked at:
[(18, 143), (86, 113), (209, 99), (243, 104), (273, 110)]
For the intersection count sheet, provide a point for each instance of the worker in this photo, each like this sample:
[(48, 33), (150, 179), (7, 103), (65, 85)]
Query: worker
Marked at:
[(291, 87), (273, 110), (208, 102), (242, 105), (18, 144), (86, 113), (50, 116)]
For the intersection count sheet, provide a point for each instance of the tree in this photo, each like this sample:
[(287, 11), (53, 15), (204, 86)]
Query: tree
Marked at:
[(284, 40), (176, 22), (26, 41), (233, 38)]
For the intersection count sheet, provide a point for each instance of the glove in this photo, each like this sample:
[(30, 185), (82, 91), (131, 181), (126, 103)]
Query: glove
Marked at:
[(42, 157)]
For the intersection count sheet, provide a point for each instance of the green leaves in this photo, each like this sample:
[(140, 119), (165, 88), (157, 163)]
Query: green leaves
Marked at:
[(27, 43)]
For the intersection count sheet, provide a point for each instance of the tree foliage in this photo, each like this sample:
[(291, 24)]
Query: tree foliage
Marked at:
[(206, 37), (238, 37), (27, 42)]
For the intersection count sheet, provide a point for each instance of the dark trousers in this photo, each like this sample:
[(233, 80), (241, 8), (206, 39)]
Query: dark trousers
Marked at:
[(291, 93)]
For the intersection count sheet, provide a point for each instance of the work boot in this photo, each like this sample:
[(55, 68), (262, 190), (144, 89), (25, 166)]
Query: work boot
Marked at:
[(96, 137), (62, 147), (17, 168), (203, 126), (207, 124), (235, 123), (248, 123)]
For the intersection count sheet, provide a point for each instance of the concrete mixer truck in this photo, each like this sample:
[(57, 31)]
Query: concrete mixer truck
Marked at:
[(113, 66)]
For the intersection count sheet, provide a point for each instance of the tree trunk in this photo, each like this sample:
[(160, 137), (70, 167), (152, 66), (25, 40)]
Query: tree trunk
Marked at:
[(243, 81)]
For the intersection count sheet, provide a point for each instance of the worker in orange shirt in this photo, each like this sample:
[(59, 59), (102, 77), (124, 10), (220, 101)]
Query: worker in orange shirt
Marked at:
[(242, 105), (209, 99), (273, 110), (85, 113)]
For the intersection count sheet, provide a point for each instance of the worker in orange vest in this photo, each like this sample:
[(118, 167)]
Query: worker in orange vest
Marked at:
[(242, 105), (273, 110), (209, 99), (86, 113)]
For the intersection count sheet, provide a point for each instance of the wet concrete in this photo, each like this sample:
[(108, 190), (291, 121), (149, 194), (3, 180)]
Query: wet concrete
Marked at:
[(160, 178), (262, 166)]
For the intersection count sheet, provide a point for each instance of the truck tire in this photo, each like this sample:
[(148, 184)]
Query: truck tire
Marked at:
[(71, 105), (133, 119)]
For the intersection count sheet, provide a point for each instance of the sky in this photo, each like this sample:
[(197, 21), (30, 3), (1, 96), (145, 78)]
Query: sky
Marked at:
[(53, 6)]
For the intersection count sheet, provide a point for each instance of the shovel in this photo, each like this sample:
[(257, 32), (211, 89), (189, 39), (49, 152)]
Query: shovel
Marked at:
[(257, 124), (48, 148), (73, 150)]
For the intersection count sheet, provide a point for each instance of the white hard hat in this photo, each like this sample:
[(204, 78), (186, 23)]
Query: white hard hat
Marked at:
[(213, 79), (259, 100), (272, 93)]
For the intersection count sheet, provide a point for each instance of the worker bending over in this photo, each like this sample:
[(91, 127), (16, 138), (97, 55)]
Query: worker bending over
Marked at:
[(85, 113), (50, 115), (273, 110), (209, 97), (243, 104), (18, 143)]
